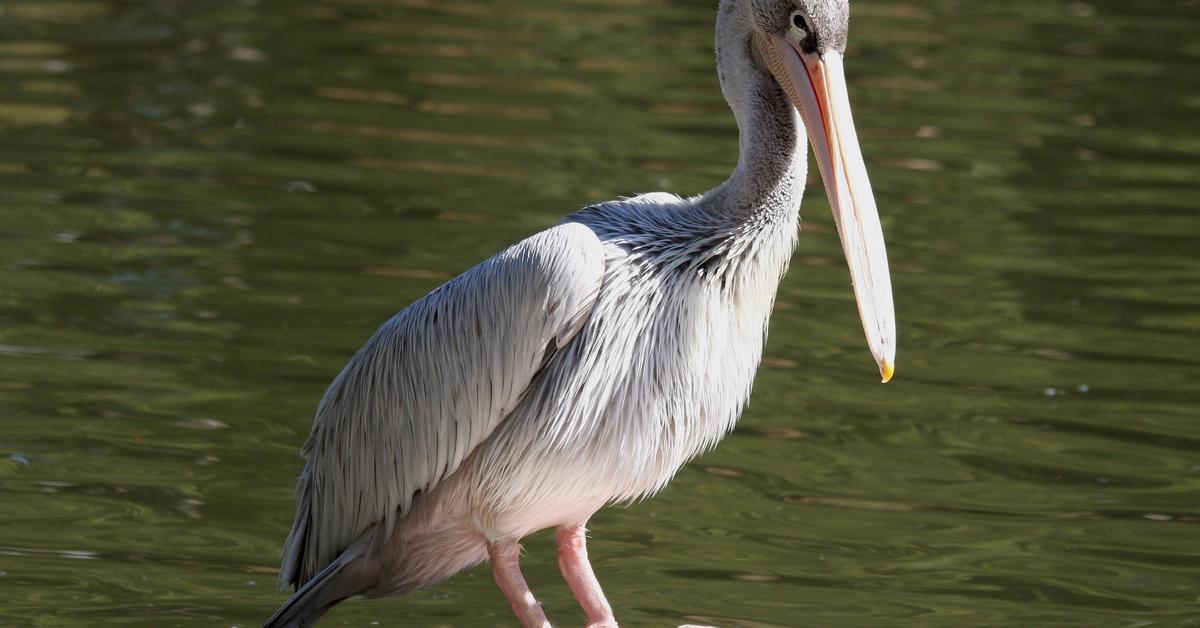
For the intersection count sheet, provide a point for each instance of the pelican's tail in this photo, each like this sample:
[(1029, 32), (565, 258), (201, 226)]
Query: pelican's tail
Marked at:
[(349, 574)]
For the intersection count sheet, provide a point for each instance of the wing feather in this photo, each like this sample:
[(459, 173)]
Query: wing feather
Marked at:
[(431, 384)]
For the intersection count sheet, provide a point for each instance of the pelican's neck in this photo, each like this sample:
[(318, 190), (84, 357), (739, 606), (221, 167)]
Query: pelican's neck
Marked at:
[(772, 161)]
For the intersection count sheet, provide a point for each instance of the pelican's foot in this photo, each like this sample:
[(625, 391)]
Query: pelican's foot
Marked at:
[(505, 568), (573, 560)]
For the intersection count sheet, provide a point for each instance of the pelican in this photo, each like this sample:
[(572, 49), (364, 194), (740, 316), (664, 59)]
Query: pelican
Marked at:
[(587, 363)]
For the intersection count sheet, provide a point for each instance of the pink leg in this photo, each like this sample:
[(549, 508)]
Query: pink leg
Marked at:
[(573, 560), (507, 571)]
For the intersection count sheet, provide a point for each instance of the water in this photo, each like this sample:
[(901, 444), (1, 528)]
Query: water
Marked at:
[(205, 207)]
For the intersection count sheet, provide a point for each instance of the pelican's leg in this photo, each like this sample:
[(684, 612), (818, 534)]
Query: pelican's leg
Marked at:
[(505, 556), (573, 560)]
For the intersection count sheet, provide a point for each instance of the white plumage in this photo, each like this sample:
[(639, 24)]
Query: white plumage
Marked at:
[(432, 384), (583, 365)]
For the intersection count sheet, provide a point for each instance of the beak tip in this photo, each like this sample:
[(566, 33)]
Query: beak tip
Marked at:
[(886, 369)]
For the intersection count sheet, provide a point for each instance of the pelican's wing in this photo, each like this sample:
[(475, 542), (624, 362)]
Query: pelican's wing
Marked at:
[(432, 384)]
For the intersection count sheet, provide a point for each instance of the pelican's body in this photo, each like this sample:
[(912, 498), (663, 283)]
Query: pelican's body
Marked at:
[(581, 366)]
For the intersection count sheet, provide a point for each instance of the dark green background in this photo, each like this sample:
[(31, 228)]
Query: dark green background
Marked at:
[(205, 207)]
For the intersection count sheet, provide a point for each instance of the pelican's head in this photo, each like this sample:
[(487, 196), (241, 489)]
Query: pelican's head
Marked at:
[(819, 25), (799, 43)]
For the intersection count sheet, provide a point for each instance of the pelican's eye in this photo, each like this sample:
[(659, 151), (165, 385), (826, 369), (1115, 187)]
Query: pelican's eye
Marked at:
[(801, 24)]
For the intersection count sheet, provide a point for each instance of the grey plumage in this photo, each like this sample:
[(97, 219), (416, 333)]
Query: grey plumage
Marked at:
[(431, 385), (582, 366)]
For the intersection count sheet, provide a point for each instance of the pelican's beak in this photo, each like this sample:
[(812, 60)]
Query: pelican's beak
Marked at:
[(817, 87)]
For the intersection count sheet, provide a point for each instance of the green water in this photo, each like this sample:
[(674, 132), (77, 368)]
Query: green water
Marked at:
[(205, 207)]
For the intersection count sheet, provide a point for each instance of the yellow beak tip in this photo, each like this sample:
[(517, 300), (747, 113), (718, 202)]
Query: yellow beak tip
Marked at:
[(887, 369)]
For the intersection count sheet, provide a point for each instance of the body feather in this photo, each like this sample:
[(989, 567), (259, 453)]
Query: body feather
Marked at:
[(432, 384)]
